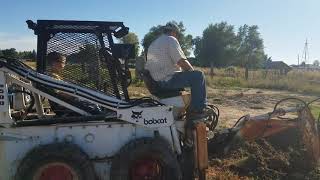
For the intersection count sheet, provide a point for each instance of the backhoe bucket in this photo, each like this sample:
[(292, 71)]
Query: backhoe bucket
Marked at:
[(310, 134), (267, 125)]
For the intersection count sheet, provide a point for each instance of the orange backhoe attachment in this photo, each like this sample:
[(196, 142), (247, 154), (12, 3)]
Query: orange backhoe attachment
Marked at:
[(310, 134), (263, 126)]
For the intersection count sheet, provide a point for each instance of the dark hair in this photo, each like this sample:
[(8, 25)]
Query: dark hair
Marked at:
[(54, 57), (170, 27)]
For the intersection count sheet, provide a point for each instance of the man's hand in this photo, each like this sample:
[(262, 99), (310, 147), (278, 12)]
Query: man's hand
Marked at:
[(185, 65)]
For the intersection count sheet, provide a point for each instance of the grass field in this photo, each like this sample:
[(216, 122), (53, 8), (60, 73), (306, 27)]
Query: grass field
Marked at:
[(31, 64), (302, 82), (295, 80)]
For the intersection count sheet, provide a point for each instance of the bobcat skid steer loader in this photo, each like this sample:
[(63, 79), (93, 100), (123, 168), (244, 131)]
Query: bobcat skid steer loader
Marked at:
[(98, 132)]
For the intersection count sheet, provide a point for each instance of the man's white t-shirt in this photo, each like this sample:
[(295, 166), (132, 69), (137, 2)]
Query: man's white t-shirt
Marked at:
[(163, 55)]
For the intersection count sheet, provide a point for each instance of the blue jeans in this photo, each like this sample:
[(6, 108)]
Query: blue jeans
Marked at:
[(193, 79)]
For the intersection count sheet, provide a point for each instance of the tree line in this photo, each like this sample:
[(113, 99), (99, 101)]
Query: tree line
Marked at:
[(13, 53), (220, 45)]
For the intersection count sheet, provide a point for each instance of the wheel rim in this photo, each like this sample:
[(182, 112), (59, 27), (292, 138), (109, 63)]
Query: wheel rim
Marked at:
[(146, 169), (56, 171)]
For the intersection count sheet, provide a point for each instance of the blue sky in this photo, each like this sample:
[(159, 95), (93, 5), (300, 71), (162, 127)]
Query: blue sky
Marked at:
[(284, 24)]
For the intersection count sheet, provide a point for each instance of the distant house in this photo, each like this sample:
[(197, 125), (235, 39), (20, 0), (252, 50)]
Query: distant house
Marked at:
[(278, 65), (306, 67)]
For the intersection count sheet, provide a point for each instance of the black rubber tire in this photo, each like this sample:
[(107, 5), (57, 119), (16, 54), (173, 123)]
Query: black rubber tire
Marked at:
[(67, 154), (156, 148)]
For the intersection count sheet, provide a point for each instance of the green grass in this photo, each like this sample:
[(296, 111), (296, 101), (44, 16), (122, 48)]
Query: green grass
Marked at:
[(296, 81), (315, 110), (31, 64), (227, 82)]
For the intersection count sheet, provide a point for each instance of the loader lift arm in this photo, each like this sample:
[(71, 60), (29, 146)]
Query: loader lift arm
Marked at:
[(18, 68)]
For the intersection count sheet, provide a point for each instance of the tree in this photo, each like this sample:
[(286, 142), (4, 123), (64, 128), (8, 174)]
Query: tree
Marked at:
[(26, 55), (196, 43), (217, 45), (131, 38), (10, 53), (89, 59), (184, 39), (34, 54), (250, 51), (153, 33), (316, 63), (30, 55)]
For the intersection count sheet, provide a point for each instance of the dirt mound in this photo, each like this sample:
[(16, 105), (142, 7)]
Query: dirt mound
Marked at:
[(279, 157)]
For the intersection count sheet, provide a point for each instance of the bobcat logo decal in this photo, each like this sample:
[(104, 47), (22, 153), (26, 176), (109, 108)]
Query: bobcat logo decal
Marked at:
[(136, 115)]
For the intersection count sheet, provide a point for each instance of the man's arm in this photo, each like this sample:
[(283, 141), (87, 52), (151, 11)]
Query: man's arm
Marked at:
[(185, 65), (177, 55)]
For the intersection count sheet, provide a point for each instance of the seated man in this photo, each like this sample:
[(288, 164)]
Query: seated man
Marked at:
[(56, 63), (165, 60)]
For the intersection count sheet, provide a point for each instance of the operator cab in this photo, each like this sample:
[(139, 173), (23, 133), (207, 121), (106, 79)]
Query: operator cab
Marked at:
[(96, 70), (93, 60)]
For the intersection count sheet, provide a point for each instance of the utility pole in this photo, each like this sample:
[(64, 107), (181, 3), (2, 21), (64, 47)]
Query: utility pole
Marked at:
[(305, 55), (298, 60)]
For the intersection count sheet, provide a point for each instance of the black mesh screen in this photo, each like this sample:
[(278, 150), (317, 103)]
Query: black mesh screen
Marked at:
[(85, 64)]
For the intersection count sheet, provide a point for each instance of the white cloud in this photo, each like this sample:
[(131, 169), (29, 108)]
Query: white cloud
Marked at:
[(19, 42)]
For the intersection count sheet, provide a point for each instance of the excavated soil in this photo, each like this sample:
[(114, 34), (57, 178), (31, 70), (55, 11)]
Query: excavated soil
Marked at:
[(282, 156)]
